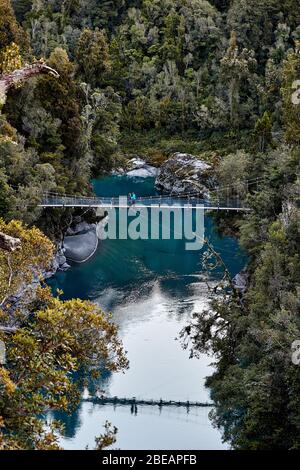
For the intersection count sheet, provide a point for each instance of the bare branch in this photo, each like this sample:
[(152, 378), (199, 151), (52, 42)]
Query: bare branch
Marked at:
[(8, 329), (8, 243), (18, 76)]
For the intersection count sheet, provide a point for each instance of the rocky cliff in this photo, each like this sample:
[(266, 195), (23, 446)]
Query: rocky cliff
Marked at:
[(184, 173)]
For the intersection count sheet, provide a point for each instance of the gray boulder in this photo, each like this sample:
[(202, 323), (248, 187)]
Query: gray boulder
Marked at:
[(64, 267), (81, 247), (241, 281), (79, 228), (61, 259), (183, 173), (59, 262), (138, 168), (289, 209)]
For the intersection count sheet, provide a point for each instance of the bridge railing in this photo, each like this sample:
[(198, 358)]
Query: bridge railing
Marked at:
[(58, 200)]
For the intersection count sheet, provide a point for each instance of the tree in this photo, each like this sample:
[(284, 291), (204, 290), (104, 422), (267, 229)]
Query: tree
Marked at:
[(221, 4), (256, 385), (49, 341), (263, 132), (99, 117), (22, 177), (174, 30), (289, 91), (235, 67), (10, 59), (10, 31), (108, 13), (253, 21), (4, 194), (15, 268), (239, 165), (93, 57), (21, 8), (58, 102)]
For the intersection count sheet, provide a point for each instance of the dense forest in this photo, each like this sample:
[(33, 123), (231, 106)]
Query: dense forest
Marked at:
[(219, 79)]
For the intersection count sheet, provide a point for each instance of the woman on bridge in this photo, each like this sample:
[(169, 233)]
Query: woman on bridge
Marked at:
[(132, 199)]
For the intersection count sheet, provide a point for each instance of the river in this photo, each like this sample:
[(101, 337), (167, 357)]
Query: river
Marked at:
[(152, 289)]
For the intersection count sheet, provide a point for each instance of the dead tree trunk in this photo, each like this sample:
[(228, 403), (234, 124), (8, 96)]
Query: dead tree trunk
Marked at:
[(18, 76), (8, 243)]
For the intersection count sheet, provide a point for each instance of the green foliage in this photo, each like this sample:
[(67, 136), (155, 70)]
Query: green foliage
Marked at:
[(9, 29), (263, 132), (239, 165), (168, 59), (236, 67), (256, 384), (157, 143), (52, 340), (21, 8), (25, 177), (10, 58), (153, 77), (16, 268), (92, 56), (4, 195), (290, 88)]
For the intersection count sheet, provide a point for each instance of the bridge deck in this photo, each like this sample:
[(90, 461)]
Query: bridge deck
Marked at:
[(152, 206)]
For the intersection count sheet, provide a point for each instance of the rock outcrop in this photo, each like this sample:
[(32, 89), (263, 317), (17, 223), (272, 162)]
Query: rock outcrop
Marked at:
[(241, 281), (138, 168), (289, 210), (59, 262), (183, 173), (81, 242), (81, 247)]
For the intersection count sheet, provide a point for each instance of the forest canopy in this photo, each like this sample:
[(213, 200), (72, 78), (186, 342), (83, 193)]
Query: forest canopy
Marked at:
[(217, 78)]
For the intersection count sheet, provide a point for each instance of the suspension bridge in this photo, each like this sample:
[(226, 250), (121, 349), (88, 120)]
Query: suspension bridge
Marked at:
[(223, 198), (163, 202)]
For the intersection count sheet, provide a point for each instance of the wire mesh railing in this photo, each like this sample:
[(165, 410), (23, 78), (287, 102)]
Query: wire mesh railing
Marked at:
[(56, 200), (231, 196)]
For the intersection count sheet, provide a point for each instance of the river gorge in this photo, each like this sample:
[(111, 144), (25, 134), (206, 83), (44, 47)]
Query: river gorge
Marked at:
[(152, 288)]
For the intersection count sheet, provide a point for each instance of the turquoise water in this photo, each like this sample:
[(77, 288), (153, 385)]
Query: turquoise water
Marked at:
[(152, 288)]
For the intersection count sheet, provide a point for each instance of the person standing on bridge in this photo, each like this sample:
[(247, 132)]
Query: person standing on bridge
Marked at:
[(133, 199)]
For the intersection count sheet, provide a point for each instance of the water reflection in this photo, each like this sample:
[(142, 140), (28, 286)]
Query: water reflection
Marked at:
[(152, 288), (148, 428)]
